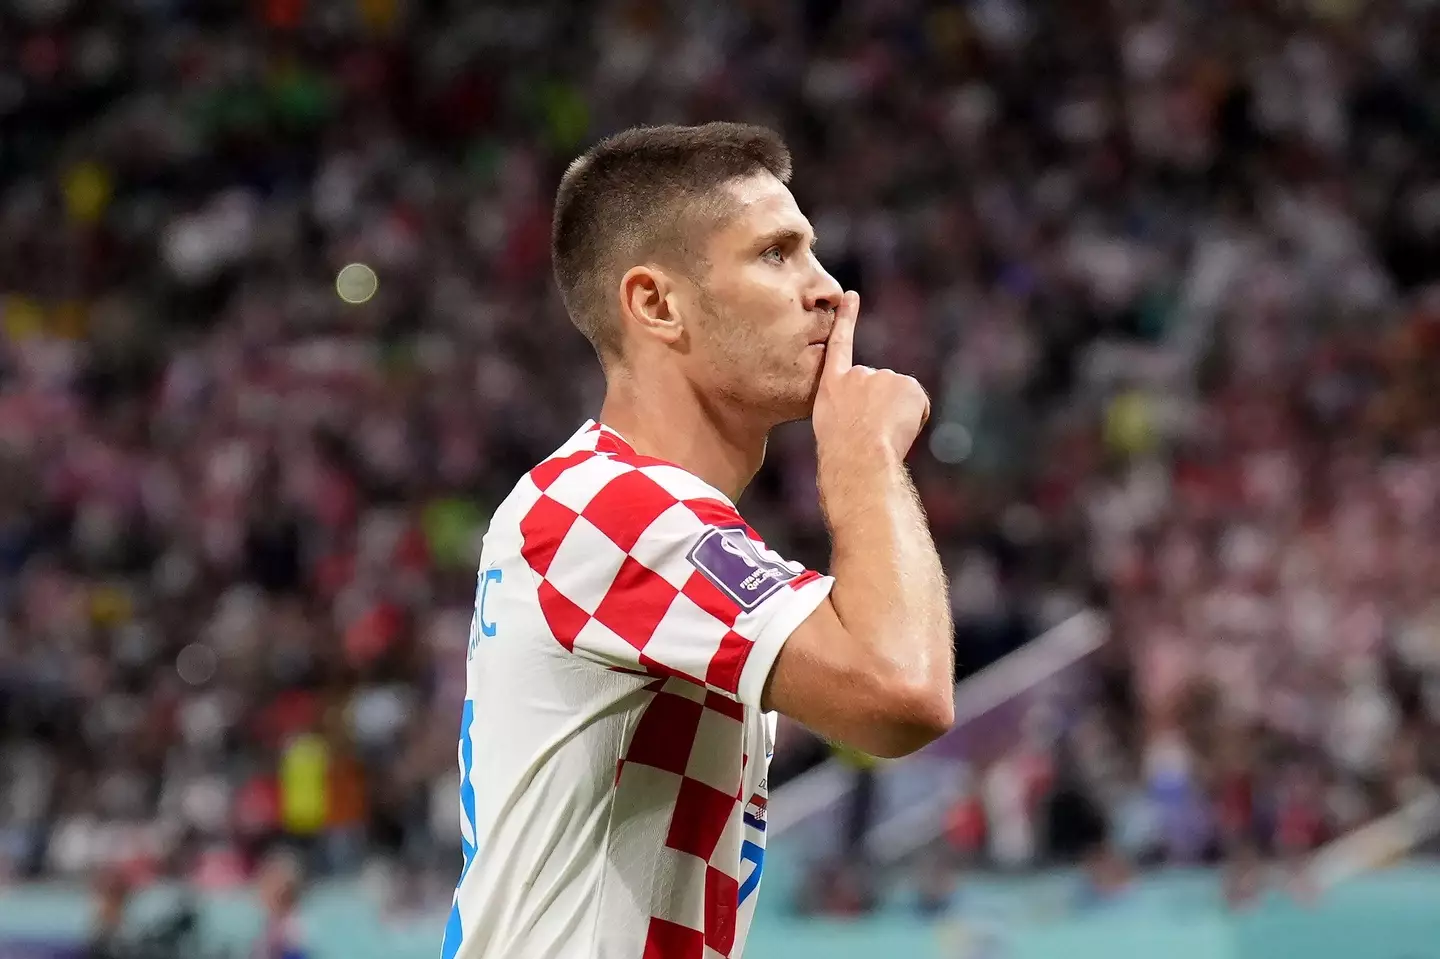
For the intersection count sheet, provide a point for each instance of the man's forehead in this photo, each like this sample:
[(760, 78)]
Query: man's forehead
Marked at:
[(761, 204)]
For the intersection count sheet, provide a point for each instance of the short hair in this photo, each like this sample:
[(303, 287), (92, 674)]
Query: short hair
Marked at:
[(639, 195)]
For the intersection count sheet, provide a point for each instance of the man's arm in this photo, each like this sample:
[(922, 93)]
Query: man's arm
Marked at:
[(873, 666)]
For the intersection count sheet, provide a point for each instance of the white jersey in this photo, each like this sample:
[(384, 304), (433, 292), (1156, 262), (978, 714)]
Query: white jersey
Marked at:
[(613, 753)]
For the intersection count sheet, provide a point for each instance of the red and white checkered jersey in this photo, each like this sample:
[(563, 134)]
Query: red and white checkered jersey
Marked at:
[(613, 752)]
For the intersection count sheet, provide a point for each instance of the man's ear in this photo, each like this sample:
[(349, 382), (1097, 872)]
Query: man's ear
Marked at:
[(648, 304)]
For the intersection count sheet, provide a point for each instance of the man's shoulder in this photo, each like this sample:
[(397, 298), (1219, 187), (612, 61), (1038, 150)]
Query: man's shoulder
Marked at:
[(596, 472), (602, 487)]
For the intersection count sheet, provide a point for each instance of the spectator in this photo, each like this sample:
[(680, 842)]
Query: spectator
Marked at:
[(1170, 278), (106, 936), (279, 883)]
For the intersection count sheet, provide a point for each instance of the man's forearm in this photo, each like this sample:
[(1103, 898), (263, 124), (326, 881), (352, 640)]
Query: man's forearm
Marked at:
[(890, 589)]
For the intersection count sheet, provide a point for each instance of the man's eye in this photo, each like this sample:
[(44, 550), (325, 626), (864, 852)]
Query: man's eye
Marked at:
[(774, 254)]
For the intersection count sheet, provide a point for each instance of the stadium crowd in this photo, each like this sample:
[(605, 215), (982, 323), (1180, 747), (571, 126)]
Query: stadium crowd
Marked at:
[(1166, 267)]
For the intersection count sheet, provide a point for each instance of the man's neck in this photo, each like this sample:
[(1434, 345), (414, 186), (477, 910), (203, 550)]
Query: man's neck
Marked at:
[(677, 426)]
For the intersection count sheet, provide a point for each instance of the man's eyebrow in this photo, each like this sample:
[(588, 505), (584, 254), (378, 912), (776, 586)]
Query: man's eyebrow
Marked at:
[(786, 234)]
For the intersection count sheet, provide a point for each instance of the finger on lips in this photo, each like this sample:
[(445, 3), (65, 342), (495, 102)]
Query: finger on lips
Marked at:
[(840, 347)]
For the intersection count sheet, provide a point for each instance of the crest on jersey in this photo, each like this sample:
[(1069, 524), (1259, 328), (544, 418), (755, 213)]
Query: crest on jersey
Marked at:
[(755, 812), (740, 567)]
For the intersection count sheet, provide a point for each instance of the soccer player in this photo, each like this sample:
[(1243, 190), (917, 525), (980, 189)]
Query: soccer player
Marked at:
[(633, 638)]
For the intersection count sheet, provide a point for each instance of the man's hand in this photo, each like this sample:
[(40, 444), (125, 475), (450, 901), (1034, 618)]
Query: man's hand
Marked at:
[(859, 411)]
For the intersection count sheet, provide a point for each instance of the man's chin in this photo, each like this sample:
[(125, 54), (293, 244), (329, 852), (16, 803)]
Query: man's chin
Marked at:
[(794, 417), (790, 405), (800, 409)]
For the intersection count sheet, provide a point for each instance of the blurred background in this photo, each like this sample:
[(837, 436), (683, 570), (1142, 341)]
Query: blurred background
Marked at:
[(1168, 267)]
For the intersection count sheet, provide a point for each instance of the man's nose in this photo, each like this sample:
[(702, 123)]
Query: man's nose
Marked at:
[(825, 292)]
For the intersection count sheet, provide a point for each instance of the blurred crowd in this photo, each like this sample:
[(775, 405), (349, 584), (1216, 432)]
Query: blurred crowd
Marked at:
[(1167, 267)]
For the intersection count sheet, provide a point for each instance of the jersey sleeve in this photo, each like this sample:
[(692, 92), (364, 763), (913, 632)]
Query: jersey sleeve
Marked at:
[(643, 567)]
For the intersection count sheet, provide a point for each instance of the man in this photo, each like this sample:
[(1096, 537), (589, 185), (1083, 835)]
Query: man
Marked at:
[(632, 635)]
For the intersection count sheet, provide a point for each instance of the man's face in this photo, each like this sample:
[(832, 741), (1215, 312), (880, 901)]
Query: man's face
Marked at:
[(764, 307)]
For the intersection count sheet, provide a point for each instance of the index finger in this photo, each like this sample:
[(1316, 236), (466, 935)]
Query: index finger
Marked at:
[(840, 345)]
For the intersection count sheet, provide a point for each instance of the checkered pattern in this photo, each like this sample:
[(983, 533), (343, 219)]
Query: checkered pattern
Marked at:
[(619, 813), (683, 758), (607, 532)]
